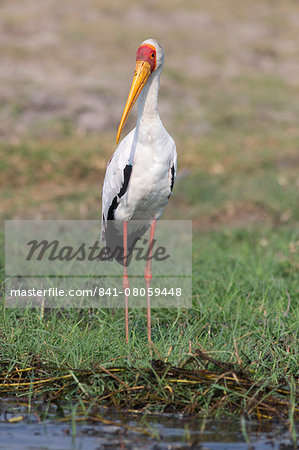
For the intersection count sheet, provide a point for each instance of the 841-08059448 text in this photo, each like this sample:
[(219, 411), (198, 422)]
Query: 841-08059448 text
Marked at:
[(96, 292)]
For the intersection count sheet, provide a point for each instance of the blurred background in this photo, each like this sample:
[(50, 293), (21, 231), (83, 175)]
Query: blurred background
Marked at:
[(229, 96)]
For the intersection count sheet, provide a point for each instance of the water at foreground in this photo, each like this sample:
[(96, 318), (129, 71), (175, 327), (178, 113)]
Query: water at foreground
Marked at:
[(172, 432)]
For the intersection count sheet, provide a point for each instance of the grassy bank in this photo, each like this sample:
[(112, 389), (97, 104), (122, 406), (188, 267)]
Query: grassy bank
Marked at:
[(235, 351)]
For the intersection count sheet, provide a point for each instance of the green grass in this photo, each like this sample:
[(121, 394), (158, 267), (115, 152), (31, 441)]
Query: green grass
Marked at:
[(242, 283), (240, 286)]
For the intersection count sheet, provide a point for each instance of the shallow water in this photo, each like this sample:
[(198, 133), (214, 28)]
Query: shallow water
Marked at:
[(172, 432)]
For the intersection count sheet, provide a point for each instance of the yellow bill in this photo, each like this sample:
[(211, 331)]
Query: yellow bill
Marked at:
[(141, 74)]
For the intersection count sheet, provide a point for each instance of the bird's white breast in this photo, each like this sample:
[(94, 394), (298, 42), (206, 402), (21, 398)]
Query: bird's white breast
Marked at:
[(149, 187)]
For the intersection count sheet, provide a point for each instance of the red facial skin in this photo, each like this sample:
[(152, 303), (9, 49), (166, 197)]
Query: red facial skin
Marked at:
[(147, 53)]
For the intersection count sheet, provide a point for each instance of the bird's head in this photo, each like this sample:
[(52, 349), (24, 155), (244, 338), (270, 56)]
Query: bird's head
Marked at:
[(149, 58)]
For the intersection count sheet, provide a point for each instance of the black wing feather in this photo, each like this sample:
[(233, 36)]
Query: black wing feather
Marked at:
[(123, 190), (172, 177)]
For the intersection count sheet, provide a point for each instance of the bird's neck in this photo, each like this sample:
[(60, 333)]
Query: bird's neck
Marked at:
[(148, 101)]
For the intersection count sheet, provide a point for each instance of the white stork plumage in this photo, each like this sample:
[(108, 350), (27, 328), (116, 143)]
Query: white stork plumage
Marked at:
[(141, 173)]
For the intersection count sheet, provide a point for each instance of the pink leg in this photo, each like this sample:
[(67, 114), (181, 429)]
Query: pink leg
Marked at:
[(126, 279), (148, 279)]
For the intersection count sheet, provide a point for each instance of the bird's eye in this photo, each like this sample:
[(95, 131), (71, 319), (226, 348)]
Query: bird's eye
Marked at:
[(152, 55)]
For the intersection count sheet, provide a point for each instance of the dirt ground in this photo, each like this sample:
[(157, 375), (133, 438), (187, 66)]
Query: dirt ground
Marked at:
[(229, 96), (71, 62)]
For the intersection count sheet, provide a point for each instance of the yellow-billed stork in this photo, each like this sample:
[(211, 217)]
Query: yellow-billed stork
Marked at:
[(141, 173)]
